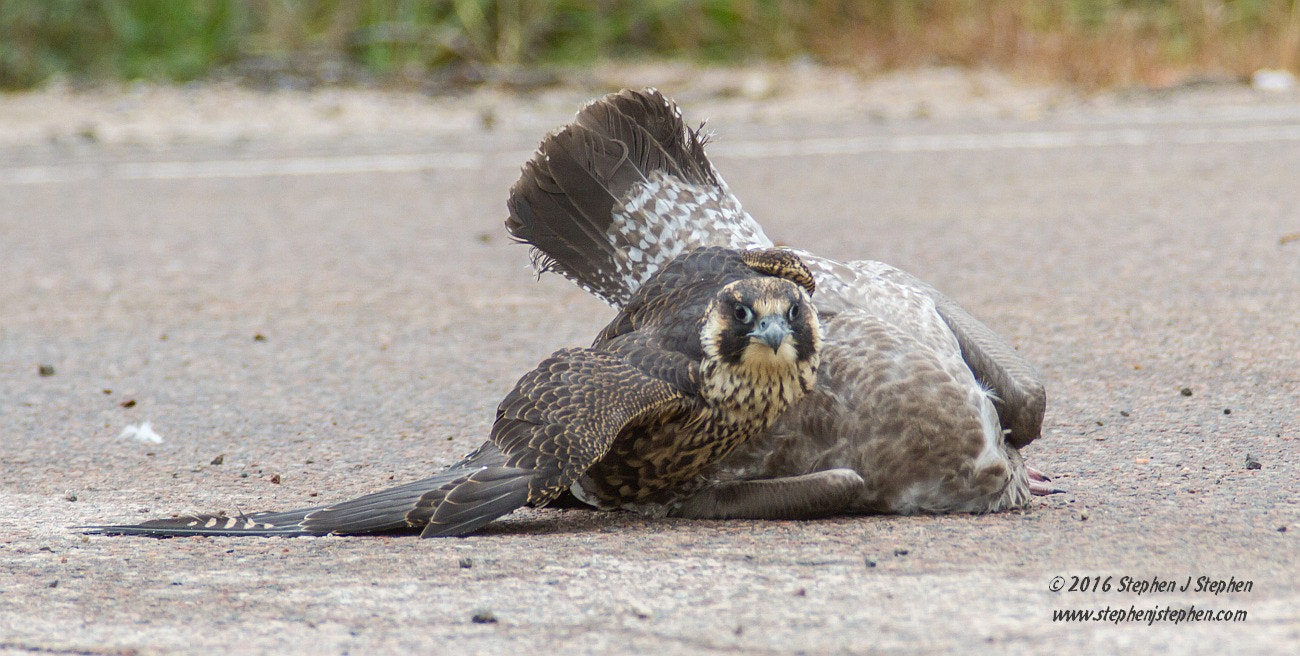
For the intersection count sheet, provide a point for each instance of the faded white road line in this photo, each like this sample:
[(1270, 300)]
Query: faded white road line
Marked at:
[(1006, 141), (242, 168), (461, 161)]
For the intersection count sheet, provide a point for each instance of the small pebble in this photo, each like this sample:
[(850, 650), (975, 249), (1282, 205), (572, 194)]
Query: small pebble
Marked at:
[(218, 460), (871, 563), (275, 479), (45, 370), (1252, 462), (1124, 413), (53, 584), (1227, 411), (900, 552), (466, 563), (69, 496), (484, 617), (129, 403), (1186, 391), (259, 337), (1281, 529), (1083, 515), (639, 611)]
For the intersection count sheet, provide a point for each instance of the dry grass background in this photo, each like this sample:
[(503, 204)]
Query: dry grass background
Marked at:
[(1089, 43)]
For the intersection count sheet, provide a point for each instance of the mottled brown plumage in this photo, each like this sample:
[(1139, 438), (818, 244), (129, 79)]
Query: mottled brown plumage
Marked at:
[(704, 355), (921, 407)]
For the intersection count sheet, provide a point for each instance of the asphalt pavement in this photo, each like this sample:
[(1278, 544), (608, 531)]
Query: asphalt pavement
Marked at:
[(305, 320)]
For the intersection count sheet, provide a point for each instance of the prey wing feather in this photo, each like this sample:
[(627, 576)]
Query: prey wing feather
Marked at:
[(569, 247), (559, 420), (584, 166), (1021, 399), (564, 179), (621, 191), (561, 206), (655, 136)]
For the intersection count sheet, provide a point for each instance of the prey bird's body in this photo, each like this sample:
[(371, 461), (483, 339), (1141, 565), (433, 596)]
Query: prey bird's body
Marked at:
[(919, 408), (705, 355)]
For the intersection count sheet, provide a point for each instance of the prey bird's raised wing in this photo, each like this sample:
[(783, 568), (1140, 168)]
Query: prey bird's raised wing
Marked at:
[(621, 191)]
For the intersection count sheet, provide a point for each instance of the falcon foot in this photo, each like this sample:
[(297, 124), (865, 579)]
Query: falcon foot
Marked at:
[(1040, 484)]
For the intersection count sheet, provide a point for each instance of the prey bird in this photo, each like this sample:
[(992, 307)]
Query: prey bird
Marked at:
[(705, 354), (922, 402)]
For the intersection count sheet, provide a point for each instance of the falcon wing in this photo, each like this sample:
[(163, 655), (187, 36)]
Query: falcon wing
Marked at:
[(558, 421)]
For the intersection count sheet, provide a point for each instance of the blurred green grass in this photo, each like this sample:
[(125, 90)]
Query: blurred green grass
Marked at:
[(1091, 43)]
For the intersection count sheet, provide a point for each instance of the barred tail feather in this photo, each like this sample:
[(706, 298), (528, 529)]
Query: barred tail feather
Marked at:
[(257, 524), (401, 508), (619, 192)]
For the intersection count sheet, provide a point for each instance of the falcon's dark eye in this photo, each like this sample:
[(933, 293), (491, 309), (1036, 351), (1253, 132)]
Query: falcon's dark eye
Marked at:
[(793, 314), (743, 314)]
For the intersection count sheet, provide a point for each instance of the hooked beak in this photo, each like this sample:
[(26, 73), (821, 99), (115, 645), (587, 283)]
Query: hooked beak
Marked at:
[(772, 330)]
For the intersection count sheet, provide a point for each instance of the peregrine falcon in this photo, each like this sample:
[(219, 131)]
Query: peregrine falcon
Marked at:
[(917, 397), (704, 355)]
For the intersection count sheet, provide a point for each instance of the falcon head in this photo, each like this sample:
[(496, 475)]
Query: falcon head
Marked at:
[(763, 328)]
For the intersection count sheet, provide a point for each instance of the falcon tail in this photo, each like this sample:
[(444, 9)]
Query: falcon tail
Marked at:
[(470, 494), (620, 191), (284, 524)]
